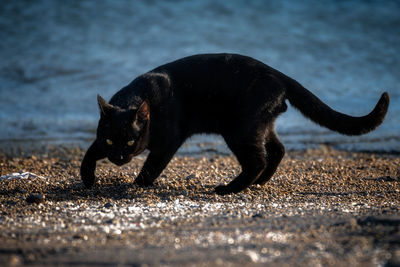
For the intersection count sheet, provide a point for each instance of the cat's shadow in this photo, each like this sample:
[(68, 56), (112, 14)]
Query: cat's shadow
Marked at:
[(77, 191), (121, 190)]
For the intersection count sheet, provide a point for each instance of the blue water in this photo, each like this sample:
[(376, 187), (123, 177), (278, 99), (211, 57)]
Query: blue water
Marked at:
[(57, 55)]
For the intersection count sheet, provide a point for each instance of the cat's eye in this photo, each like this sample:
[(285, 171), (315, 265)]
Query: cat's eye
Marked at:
[(109, 142), (130, 143)]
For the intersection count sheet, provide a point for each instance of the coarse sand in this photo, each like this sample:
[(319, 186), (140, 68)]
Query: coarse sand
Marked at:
[(322, 207)]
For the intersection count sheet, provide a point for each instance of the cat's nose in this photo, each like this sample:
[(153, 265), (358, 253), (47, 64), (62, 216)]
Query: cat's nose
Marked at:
[(121, 157)]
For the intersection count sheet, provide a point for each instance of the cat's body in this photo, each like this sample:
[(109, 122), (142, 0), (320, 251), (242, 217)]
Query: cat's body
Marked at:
[(232, 95)]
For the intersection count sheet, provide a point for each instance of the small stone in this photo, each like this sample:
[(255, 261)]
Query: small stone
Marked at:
[(110, 221), (192, 176), (80, 236), (108, 205), (254, 257), (258, 215), (35, 198), (14, 260)]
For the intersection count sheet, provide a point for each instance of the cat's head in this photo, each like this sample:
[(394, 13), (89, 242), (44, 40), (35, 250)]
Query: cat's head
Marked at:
[(123, 133)]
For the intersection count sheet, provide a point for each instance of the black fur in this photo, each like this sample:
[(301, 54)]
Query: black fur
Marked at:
[(232, 95)]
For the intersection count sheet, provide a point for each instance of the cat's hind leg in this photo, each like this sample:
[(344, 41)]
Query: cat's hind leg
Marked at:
[(275, 152), (250, 152)]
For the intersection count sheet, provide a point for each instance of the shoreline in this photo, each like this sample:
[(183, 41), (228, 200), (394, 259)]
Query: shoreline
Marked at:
[(198, 148), (323, 206)]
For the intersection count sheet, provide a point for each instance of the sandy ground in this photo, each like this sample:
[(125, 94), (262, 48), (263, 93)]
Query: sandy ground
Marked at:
[(322, 207)]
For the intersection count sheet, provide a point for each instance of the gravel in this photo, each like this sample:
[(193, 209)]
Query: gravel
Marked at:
[(322, 207)]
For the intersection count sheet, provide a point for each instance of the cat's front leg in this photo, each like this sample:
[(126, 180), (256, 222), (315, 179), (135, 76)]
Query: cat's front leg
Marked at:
[(88, 166), (155, 164)]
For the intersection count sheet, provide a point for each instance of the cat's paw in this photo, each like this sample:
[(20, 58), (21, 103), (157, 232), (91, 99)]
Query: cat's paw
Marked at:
[(88, 179), (142, 182), (88, 183), (223, 190)]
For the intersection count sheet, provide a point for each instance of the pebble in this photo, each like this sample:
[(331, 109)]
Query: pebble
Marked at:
[(14, 260), (108, 205), (35, 198)]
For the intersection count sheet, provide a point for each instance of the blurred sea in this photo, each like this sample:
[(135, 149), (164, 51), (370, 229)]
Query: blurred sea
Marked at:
[(57, 55)]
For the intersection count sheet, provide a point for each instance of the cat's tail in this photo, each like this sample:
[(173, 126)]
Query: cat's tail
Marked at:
[(313, 108)]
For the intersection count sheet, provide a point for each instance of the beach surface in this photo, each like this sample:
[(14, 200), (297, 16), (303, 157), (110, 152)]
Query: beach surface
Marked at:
[(322, 207)]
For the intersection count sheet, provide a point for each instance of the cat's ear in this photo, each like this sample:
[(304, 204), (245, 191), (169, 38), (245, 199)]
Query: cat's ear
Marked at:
[(105, 108), (143, 112)]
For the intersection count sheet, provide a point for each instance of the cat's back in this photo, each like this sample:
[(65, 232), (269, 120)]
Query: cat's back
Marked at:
[(211, 66), (204, 74)]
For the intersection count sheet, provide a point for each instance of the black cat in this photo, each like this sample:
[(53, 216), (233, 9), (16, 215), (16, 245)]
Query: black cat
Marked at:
[(232, 95)]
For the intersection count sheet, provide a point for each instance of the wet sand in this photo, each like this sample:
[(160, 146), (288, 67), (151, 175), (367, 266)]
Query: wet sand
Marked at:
[(322, 207)]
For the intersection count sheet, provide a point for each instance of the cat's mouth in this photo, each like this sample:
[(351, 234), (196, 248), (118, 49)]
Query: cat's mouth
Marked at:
[(119, 161)]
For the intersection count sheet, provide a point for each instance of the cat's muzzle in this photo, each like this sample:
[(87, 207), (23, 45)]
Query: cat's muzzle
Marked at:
[(120, 160)]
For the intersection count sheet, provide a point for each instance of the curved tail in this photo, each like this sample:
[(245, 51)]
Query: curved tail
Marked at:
[(313, 108)]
